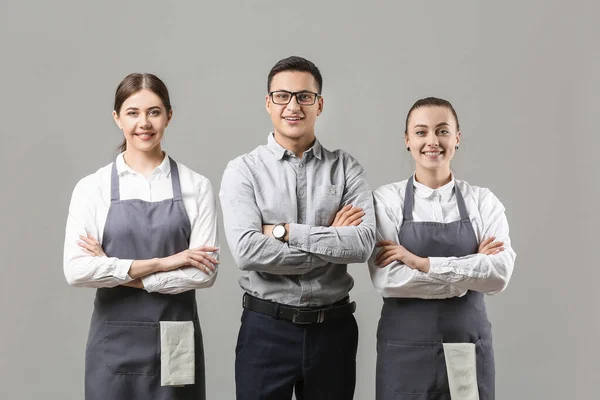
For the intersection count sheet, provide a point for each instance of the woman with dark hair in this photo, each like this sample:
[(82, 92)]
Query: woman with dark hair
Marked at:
[(442, 244), (143, 231)]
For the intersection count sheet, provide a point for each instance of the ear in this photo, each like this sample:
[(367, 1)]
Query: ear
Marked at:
[(169, 116), (457, 138), (117, 119), (268, 103), (320, 105), (406, 139)]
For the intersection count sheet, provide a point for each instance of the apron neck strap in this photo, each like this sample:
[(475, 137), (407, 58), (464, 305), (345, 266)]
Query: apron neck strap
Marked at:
[(175, 180), (461, 203), (409, 195), (114, 184)]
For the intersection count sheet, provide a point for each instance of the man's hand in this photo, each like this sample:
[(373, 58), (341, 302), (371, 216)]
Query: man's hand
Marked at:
[(348, 216)]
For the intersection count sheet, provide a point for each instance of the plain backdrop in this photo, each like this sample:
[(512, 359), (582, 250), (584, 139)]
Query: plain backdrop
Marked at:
[(522, 75)]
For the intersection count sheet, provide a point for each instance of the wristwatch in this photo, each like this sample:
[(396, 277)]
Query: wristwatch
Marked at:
[(279, 231)]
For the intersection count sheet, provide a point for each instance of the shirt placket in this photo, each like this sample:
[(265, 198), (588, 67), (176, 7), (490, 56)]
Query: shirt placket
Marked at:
[(302, 201)]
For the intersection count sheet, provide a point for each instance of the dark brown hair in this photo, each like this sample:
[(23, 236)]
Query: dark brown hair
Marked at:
[(295, 63), (132, 84), (431, 102)]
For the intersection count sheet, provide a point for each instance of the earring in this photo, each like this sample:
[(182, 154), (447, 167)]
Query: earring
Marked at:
[(408, 149), (456, 147)]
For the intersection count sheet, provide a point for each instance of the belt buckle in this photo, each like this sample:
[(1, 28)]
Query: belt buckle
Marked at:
[(320, 317)]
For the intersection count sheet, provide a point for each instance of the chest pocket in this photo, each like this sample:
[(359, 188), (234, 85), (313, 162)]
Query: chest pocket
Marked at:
[(328, 200)]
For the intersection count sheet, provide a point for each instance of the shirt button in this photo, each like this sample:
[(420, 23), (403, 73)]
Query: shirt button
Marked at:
[(331, 190), (301, 165), (302, 192)]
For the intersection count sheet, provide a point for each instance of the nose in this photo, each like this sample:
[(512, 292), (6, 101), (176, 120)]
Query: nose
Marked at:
[(433, 141), (293, 104), (144, 121)]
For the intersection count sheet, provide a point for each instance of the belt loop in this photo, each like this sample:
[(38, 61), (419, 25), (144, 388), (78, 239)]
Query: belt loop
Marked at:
[(244, 301), (276, 311)]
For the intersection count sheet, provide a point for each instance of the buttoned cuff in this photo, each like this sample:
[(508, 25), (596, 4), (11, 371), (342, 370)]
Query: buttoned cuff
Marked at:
[(150, 283), (121, 271), (299, 237)]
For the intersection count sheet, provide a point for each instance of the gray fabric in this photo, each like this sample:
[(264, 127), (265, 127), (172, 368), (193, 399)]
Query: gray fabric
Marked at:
[(271, 185), (123, 349), (411, 332)]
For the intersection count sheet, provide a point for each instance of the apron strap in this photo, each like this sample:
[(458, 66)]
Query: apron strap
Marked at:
[(409, 195), (175, 180), (114, 184), (461, 203)]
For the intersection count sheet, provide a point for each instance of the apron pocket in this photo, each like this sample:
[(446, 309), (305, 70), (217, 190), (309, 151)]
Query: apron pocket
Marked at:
[(131, 347), (415, 368)]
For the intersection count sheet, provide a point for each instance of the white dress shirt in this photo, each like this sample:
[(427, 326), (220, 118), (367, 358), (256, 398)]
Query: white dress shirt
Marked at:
[(447, 276), (87, 215)]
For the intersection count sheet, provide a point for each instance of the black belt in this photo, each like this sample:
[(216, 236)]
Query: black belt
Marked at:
[(299, 315)]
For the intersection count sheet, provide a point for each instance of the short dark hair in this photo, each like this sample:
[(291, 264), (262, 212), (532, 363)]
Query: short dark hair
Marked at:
[(431, 102), (295, 63), (132, 84)]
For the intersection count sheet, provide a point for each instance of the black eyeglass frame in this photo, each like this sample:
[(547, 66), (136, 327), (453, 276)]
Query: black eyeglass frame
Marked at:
[(292, 95)]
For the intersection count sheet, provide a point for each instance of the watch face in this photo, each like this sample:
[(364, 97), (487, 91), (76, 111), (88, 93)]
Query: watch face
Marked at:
[(279, 231)]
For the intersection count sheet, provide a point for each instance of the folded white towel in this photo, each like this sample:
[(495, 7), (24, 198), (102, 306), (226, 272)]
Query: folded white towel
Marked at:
[(177, 354), (462, 370)]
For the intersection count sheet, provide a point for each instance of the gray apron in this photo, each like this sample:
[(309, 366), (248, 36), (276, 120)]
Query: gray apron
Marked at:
[(123, 350), (410, 351)]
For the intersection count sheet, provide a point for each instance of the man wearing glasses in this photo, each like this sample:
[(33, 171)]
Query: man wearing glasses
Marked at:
[(295, 215)]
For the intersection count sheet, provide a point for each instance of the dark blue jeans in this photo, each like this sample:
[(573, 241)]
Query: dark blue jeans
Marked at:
[(274, 357)]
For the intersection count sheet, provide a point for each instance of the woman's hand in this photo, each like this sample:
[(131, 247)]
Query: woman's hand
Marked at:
[(391, 251), (197, 257), (90, 245), (489, 247)]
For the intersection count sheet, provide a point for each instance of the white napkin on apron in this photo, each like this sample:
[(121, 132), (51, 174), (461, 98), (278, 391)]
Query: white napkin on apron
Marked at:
[(462, 370), (177, 355)]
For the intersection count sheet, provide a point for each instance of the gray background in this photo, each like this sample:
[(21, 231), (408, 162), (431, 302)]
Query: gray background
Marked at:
[(523, 77)]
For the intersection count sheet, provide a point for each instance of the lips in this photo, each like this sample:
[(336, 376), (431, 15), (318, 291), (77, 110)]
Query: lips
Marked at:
[(293, 119), (432, 154), (145, 135)]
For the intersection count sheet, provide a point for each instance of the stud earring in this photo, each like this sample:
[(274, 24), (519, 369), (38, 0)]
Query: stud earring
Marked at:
[(456, 147), (408, 149)]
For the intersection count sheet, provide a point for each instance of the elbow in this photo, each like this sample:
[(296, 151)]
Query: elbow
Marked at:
[(209, 281), (73, 279)]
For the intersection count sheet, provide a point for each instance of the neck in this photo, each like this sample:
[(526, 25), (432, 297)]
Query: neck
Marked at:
[(144, 162), (433, 178), (296, 145)]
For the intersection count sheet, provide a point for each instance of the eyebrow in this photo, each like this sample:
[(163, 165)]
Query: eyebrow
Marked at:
[(136, 109), (425, 126)]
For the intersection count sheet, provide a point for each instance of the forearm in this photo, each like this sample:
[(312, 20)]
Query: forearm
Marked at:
[(179, 280), (399, 280), (340, 245), (479, 272), (257, 252)]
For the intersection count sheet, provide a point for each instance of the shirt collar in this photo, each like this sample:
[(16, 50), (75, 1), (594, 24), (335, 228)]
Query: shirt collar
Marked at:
[(164, 167), (425, 192), (279, 151)]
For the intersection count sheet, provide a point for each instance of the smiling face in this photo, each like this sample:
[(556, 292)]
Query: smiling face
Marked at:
[(143, 119), (293, 122), (432, 137)]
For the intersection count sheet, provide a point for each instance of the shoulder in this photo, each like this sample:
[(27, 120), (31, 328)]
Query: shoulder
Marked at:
[(482, 197), (391, 193), (191, 178), (248, 161), (93, 186)]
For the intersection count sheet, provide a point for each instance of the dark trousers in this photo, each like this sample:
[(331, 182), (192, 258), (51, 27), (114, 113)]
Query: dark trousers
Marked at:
[(274, 357)]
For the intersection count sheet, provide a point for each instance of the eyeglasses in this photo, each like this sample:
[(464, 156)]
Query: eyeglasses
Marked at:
[(303, 98)]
